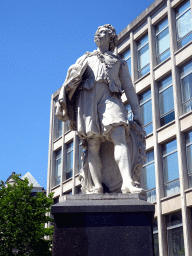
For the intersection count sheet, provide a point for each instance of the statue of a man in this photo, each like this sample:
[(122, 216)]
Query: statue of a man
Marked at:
[(91, 99)]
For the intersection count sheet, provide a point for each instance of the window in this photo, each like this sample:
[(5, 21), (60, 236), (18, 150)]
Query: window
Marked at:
[(170, 168), (68, 192), (69, 173), (149, 177), (184, 24), (67, 126), (162, 41), (58, 126), (188, 137), (175, 234), (186, 87), (56, 200), (155, 237), (143, 56), (130, 113), (166, 103), (127, 56), (58, 167), (81, 150), (78, 189), (146, 111)]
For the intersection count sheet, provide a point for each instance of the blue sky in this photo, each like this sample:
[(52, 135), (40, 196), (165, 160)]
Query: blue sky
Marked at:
[(39, 41)]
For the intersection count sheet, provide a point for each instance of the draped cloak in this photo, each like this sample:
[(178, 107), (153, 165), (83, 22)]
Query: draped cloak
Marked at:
[(94, 106), (91, 101)]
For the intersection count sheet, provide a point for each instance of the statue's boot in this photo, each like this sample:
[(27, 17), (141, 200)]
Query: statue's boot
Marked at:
[(97, 190), (131, 189)]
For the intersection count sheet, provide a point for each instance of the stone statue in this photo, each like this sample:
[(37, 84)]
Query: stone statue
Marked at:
[(90, 99)]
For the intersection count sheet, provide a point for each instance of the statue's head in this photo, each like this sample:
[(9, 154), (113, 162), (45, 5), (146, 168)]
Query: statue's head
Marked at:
[(112, 35)]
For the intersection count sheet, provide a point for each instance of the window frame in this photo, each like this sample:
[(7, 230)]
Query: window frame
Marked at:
[(57, 132), (152, 189), (181, 78), (127, 59), (68, 151), (156, 41), (189, 173), (58, 155), (160, 92), (165, 184), (177, 18), (141, 104), (129, 112), (173, 227), (138, 56)]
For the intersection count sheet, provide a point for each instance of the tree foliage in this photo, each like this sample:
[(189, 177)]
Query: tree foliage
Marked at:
[(22, 219)]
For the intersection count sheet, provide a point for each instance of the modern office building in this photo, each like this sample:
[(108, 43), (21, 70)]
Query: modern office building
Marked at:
[(157, 46)]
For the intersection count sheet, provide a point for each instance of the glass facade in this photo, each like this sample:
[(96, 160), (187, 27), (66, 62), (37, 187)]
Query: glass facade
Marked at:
[(129, 112), (166, 102), (188, 137), (170, 168), (186, 87), (184, 24), (162, 41), (149, 177), (146, 111), (58, 128), (143, 56), (69, 173), (58, 167), (58, 124), (155, 237), (127, 56), (67, 126), (175, 234)]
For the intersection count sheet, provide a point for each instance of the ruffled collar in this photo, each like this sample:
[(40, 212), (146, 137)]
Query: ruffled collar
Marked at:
[(107, 58)]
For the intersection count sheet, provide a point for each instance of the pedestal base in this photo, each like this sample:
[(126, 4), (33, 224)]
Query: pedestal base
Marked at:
[(102, 225)]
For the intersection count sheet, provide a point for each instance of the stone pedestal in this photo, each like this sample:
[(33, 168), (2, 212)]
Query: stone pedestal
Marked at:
[(102, 225)]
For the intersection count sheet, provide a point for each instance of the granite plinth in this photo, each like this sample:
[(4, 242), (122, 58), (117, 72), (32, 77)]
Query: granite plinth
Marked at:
[(102, 225)]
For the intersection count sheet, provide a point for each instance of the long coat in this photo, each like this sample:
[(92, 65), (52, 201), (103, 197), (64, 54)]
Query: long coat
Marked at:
[(88, 70)]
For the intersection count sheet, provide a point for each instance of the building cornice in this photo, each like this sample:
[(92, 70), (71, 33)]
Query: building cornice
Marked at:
[(140, 19)]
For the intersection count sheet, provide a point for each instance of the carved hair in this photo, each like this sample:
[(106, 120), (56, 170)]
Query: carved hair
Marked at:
[(112, 34)]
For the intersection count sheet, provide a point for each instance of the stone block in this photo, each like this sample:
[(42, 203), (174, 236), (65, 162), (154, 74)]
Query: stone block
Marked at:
[(102, 225)]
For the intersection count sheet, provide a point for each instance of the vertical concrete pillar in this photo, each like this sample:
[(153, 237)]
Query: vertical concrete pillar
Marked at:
[(157, 149), (50, 154), (133, 59), (62, 160), (75, 160), (181, 155)]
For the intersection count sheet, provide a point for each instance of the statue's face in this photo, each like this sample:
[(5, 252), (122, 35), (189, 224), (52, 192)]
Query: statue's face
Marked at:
[(102, 36)]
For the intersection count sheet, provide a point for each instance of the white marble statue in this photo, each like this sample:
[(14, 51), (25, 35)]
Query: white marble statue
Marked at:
[(91, 99)]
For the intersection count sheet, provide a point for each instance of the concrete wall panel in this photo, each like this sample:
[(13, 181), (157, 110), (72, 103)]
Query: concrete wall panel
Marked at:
[(171, 205)]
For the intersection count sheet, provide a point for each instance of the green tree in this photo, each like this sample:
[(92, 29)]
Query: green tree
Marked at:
[(22, 219)]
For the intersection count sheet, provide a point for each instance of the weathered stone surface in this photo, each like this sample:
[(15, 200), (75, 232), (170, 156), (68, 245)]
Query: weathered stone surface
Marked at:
[(106, 196)]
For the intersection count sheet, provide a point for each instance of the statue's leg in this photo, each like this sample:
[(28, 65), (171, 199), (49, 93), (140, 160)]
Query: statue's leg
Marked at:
[(95, 163), (122, 157)]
